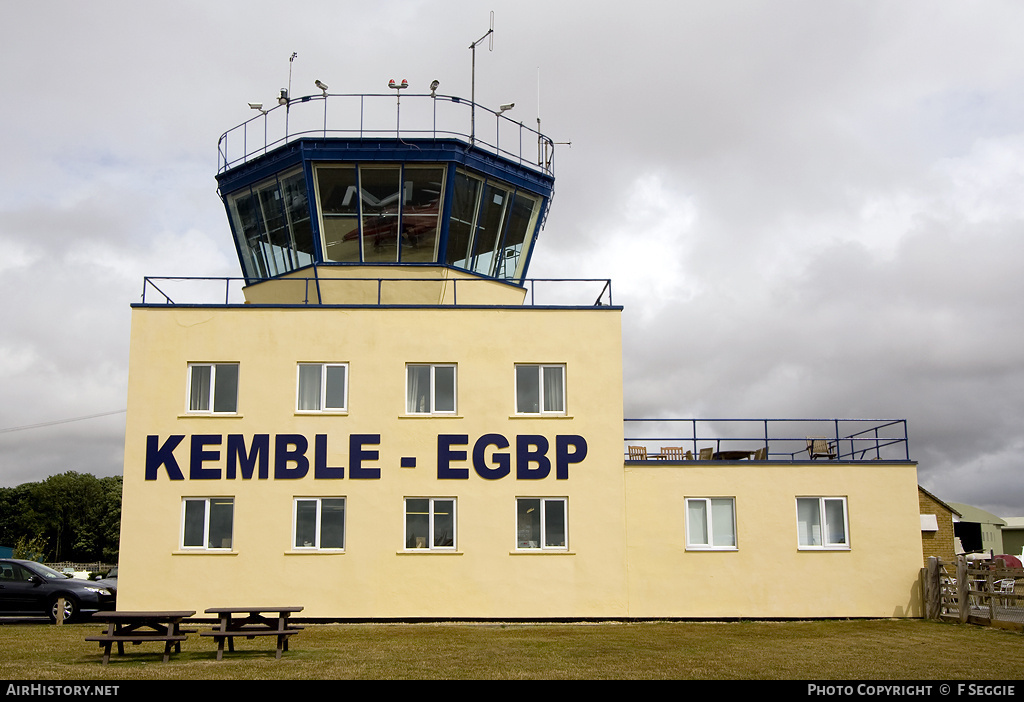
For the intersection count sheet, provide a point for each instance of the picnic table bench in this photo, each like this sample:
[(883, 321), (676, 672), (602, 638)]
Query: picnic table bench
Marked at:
[(141, 627), (257, 622)]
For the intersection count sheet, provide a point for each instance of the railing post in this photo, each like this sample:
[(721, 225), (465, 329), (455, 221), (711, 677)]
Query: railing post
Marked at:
[(962, 589)]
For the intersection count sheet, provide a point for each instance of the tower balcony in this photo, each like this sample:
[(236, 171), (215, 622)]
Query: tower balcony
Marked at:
[(382, 181)]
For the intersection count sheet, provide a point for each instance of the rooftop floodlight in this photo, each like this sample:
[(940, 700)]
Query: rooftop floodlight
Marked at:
[(433, 87), (283, 97), (506, 107), (322, 86)]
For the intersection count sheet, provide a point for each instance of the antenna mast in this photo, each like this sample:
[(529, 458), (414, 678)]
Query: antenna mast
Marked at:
[(472, 85)]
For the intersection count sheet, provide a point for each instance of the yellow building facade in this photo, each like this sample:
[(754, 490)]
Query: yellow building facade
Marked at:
[(390, 425)]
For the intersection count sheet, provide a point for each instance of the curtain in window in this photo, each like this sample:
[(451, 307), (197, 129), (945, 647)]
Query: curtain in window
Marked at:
[(697, 522), (418, 390), (554, 400), (199, 393), (309, 386)]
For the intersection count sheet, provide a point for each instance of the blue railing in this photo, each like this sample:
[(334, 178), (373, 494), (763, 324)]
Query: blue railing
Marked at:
[(385, 116), (545, 292), (770, 439)]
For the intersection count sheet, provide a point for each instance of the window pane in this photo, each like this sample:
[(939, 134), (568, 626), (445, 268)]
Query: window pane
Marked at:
[(248, 231), (808, 521), (305, 523), (528, 523), (444, 389), (335, 389), (332, 523), (462, 219), (309, 386), (522, 220), (527, 389), (339, 204), (380, 189), (297, 207), (221, 511), (554, 523), (697, 522), (276, 222), (418, 389), (225, 392), (554, 398), (199, 392), (492, 219), (421, 206), (417, 523), (444, 522), (195, 522), (722, 523), (834, 518)]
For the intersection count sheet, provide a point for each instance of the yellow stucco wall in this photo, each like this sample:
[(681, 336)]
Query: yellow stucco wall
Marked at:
[(626, 553), (375, 577), (768, 575)]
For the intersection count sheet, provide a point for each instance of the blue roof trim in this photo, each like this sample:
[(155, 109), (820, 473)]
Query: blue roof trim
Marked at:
[(322, 306), (384, 151)]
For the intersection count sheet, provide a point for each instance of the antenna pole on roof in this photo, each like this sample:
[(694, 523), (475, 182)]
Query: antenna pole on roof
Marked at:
[(472, 85)]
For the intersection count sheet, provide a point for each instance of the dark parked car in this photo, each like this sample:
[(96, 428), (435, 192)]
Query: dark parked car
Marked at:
[(109, 581), (27, 588)]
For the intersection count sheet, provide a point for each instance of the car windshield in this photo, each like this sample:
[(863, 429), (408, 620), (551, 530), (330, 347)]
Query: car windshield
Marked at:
[(48, 573)]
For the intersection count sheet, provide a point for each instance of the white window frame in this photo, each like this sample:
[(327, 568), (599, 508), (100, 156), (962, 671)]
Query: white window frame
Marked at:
[(431, 525), (692, 541), (432, 393), (824, 526), (540, 368), (322, 400), (542, 544), (206, 502), (210, 400), (317, 539)]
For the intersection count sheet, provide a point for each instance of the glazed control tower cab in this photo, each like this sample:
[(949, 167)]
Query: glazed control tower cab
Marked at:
[(338, 188)]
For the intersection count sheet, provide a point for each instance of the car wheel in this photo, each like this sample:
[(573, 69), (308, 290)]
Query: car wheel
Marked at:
[(70, 608)]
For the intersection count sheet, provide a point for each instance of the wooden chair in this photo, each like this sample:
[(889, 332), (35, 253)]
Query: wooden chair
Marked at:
[(672, 453), (820, 448), (637, 453), (761, 454), (706, 454)]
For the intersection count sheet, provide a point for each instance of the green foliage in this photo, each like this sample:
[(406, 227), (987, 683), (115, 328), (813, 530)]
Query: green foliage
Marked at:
[(30, 549), (70, 517)]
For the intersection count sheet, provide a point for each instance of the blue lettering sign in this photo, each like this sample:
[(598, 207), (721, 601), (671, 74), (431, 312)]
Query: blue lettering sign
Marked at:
[(162, 456), (357, 454), (283, 455)]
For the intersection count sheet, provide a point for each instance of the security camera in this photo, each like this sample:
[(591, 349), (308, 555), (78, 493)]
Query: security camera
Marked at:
[(256, 106), (322, 86)]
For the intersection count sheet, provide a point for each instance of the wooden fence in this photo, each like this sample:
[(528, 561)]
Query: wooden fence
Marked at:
[(983, 592)]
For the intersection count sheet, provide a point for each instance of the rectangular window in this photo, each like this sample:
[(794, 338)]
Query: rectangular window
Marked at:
[(319, 523), (430, 389), (430, 523), (541, 523), (822, 523), (322, 387), (711, 523), (540, 389), (213, 388), (207, 522)]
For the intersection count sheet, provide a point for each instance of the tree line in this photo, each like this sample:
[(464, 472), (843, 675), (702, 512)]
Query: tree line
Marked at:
[(70, 517)]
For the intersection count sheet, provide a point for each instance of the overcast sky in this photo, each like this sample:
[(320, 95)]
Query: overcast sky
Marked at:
[(807, 208)]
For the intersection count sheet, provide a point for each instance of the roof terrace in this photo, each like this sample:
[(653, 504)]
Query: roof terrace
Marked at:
[(322, 285), (791, 440), (421, 116)]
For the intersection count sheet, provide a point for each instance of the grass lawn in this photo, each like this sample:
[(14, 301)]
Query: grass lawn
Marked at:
[(748, 650)]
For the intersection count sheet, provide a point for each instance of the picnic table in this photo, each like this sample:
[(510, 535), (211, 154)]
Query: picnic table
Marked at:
[(258, 621), (141, 627)]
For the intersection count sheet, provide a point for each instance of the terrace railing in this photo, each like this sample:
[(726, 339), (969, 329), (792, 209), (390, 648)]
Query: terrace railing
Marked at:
[(385, 116), (220, 291), (779, 439)]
